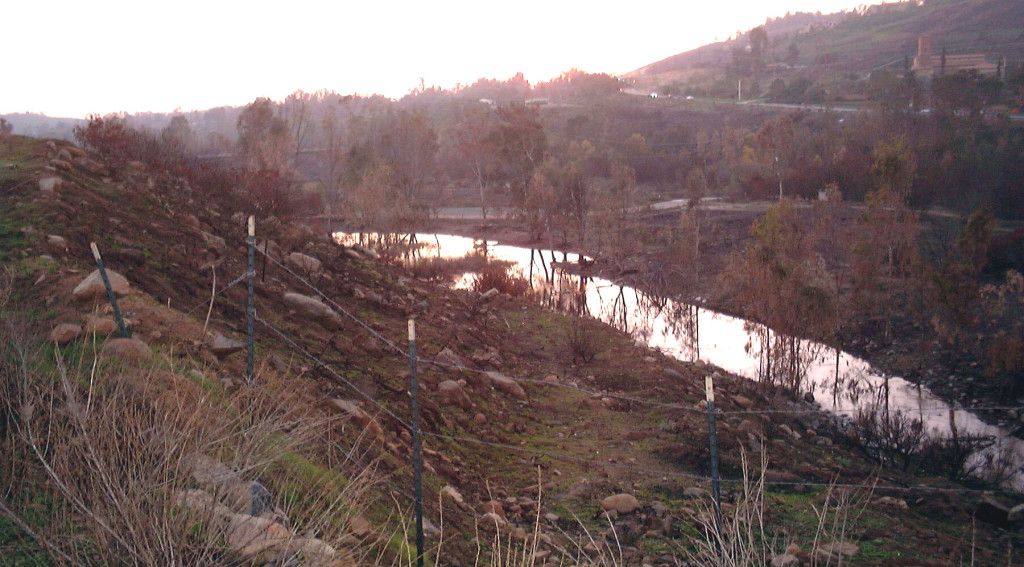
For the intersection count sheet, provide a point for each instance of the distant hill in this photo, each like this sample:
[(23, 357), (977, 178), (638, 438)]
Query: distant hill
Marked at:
[(862, 41)]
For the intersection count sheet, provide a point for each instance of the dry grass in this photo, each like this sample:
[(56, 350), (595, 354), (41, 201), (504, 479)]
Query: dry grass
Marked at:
[(98, 452)]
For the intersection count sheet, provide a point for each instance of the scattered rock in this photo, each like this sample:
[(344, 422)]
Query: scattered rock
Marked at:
[(452, 394), (49, 184), (505, 384), (454, 493), (892, 502), (92, 286), (694, 492), (250, 536), (100, 326), (91, 166), (222, 346), (60, 165), (57, 243), (494, 507), (304, 263), (65, 333), (214, 243), (743, 401), (450, 357), (622, 503), (201, 503), (317, 310), (551, 379), (479, 419), (490, 518), (132, 350)]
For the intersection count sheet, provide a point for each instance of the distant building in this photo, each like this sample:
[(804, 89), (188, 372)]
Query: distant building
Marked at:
[(927, 64)]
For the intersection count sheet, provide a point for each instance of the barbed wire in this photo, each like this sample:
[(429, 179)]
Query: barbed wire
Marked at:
[(617, 396), (577, 459)]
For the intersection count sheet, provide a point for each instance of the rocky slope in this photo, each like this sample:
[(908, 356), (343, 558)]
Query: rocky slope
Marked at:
[(605, 461)]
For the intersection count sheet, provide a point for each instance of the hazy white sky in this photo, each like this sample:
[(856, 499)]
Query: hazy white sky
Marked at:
[(71, 58)]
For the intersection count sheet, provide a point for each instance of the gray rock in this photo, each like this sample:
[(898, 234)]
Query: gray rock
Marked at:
[(317, 310), (622, 503), (505, 384), (304, 263), (49, 184), (222, 346), (452, 394), (132, 350), (65, 333), (92, 286)]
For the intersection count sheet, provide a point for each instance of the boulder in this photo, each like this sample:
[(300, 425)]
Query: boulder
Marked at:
[(100, 326), (131, 350), (694, 492), (222, 346), (91, 166), (451, 358), (494, 507), (317, 310), (250, 536), (56, 243), (49, 184), (452, 394), (350, 408), (505, 384), (74, 151), (214, 243), (92, 286), (622, 503), (743, 402), (304, 263), (60, 165), (65, 333)]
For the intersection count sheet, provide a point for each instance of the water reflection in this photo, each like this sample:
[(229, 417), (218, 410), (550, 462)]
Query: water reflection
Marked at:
[(838, 381)]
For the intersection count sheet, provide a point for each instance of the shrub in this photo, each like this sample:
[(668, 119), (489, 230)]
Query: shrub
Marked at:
[(500, 276)]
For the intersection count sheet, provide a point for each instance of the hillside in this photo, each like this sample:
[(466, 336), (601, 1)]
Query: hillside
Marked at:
[(860, 42), (163, 454)]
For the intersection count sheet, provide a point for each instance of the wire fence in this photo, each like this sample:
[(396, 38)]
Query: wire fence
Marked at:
[(383, 409)]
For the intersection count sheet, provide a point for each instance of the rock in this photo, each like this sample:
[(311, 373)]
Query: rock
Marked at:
[(785, 560), (132, 350), (610, 515), (57, 243), (451, 358), (490, 518), (494, 507), (552, 517), (353, 254), (694, 492), (250, 536), (551, 379), (201, 503), (100, 326), (49, 184), (835, 550), (74, 151), (91, 166), (452, 394), (304, 263), (892, 502), (505, 384), (60, 165), (92, 286), (65, 333), (479, 419), (317, 310), (622, 503), (64, 155), (222, 346), (454, 493), (214, 243), (743, 401), (313, 551), (370, 425)]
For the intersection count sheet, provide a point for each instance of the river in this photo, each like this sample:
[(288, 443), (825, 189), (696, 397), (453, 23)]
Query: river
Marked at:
[(839, 382)]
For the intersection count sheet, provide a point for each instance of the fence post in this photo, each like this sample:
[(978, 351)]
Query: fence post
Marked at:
[(417, 466), (110, 291), (250, 308), (716, 489)]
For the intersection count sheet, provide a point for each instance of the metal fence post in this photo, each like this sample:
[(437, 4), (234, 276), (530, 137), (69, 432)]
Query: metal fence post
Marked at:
[(110, 291), (716, 489), (417, 465), (250, 308)]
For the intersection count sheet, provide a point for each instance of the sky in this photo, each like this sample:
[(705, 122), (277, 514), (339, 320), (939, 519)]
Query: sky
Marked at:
[(73, 58)]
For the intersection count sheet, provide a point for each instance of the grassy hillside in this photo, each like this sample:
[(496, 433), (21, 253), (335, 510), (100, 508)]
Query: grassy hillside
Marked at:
[(167, 455)]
